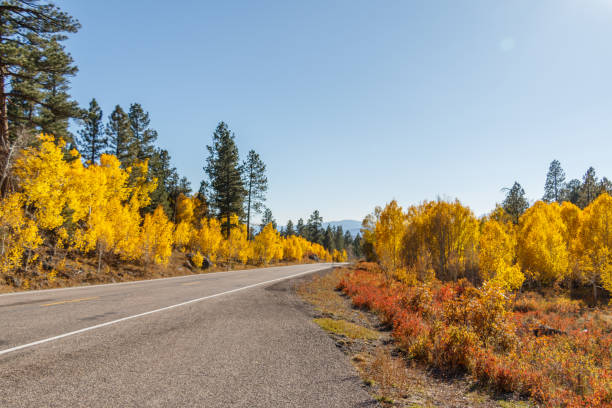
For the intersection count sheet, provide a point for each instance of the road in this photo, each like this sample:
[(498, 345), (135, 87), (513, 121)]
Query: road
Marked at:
[(229, 339)]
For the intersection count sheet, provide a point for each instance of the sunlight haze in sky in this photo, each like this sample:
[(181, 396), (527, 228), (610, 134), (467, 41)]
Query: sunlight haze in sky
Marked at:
[(354, 103)]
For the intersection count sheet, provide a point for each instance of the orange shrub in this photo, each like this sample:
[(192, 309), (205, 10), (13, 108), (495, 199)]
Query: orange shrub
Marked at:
[(456, 327)]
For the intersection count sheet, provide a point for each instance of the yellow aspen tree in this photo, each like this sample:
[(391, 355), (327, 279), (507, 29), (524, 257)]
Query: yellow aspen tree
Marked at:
[(236, 246), (496, 256), (99, 200), (496, 249), (509, 277), (388, 235), (198, 259), (595, 238), (265, 244), (157, 237), (183, 235), (294, 247), (443, 236), (127, 230), (43, 177), (572, 218), (184, 209), (208, 238), (541, 248), (18, 234)]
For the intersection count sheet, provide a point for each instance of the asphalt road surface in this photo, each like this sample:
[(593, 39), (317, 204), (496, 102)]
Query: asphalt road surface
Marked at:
[(229, 339)]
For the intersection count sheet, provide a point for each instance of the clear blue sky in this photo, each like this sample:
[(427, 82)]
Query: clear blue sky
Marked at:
[(354, 103)]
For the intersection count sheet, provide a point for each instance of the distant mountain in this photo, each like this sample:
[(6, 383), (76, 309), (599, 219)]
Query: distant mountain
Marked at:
[(352, 226)]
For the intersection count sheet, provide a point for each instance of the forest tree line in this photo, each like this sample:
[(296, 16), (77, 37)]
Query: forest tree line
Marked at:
[(109, 191), (565, 239)]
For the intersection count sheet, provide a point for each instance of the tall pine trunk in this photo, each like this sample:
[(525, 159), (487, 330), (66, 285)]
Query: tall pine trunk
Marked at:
[(4, 140)]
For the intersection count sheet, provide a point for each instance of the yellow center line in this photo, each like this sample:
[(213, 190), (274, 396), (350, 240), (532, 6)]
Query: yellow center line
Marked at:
[(70, 301), (190, 283)]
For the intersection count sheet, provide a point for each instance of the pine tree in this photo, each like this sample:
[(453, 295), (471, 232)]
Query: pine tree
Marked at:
[(256, 184), (571, 191), (225, 184), (161, 169), (299, 228), (268, 218), (289, 230), (515, 202), (339, 238), (328, 239), (120, 136), (357, 246), (589, 190), (605, 186), (555, 180), (34, 68), (56, 107), (93, 141), (144, 137), (313, 231), (348, 239)]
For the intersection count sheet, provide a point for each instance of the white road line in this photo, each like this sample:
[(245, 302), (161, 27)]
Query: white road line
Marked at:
[(144, 281), (97, 326)]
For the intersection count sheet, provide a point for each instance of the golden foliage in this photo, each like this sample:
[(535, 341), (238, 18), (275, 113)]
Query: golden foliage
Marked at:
[(267, 245), (542, 250), (157, 237), (388, 235), (17, 233), (208, 238), (496, 256), (595, 243), (443, 236), (74, 207)]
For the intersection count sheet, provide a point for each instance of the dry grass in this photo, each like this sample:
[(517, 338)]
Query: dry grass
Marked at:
[(389, 377), (83, 270), (347, 329)]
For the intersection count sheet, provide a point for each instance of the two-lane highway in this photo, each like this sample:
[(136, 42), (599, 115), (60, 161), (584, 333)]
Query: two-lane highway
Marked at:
[(221, 339)]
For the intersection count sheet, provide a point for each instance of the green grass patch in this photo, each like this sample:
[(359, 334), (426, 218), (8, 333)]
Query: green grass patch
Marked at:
[(514, 404), (347, 329)]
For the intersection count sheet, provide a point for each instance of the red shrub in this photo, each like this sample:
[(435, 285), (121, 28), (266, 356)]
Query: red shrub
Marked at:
[(454, 326)]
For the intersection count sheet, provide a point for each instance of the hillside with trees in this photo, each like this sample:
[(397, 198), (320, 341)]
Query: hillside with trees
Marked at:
[(107, 204)]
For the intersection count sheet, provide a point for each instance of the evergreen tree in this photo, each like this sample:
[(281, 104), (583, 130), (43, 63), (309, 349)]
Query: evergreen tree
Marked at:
[(290, 230), (515, 203), (328, 239), (555, 180), (313, 230), (300, 229), (143, 136), (571, 191), (93, 141), (184, 186), (225, 184), (605, 186), (256, 184), (339, 238), (357, 246), (268, 219), (56, 107), (120, 136), (161, 169), (34, 72), (589, 190), (348, 239)]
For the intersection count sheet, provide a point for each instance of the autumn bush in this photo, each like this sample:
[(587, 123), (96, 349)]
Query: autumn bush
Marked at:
[(456, 327)]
